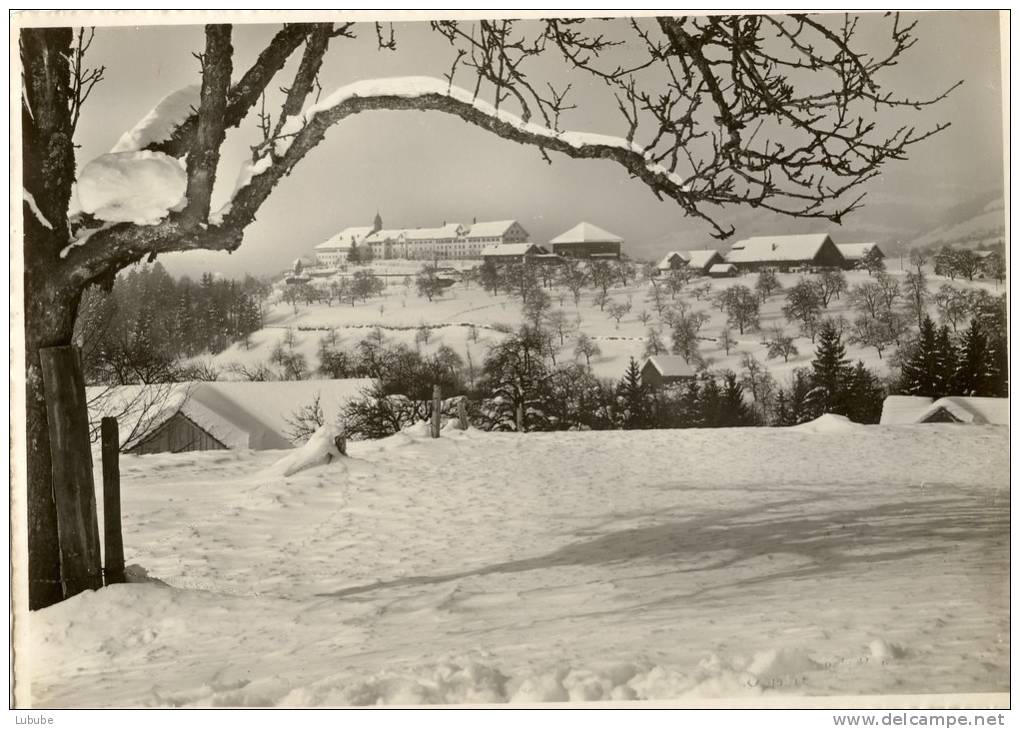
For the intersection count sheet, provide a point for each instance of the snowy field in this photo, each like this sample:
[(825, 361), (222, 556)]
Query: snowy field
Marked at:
[(824, 559), (400, 311)]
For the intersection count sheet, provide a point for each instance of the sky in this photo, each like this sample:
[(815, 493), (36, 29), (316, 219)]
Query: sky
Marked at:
[(422, 169)]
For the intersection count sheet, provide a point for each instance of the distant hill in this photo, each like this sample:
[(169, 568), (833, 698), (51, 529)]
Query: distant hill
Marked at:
[(978, 224)]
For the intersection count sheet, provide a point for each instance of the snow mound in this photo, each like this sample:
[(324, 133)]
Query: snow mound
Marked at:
[(160, 123), (773, 665), (828, 423), (882, 650), (132, 187), (318, 451)]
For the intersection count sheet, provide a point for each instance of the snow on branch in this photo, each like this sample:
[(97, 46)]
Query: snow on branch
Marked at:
[(303, 131)]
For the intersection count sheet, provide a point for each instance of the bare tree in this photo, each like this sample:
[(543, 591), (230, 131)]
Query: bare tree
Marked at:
[(707, 94)]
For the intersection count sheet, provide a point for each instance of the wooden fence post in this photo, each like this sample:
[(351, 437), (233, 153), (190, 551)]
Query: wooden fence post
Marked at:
[(437, 407), (462, 414), (71, 455), (520, 417), (113, 541)]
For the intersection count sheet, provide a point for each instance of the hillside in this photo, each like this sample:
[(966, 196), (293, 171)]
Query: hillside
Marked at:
[(464, 312), (981, 228)]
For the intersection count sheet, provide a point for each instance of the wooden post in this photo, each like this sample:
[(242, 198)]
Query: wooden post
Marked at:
[(113, 541), (73, 487), (437, 407), (520, 417), (462, 414), (341, 444)]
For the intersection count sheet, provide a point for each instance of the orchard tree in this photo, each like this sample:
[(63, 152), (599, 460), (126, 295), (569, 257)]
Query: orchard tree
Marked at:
[(873, 261), (709, 92), (767, 284), (742, 308), (804, 306)]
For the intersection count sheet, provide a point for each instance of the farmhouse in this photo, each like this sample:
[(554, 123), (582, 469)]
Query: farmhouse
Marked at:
[(200, 416), (585, 240), (450, 240), (665, 369), (513, 252), (702, 259), (672, 261), (854, 253), (722, 270), (908, 409), (784, 252)]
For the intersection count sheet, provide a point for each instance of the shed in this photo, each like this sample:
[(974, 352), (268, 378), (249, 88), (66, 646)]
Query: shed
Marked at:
[(666, 369), (722, 270), (195, 416)]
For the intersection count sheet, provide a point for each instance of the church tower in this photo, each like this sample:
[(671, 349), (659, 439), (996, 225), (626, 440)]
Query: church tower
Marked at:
[(377, 223)]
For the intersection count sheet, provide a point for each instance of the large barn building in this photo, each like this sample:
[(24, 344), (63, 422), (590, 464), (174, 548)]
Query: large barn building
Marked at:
[(585, 240), (785, 252)]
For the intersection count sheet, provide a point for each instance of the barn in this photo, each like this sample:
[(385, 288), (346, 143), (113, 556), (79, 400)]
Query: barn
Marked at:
[(785, 252), (666, 369), (585, 240), (909, 409), (199, 416)]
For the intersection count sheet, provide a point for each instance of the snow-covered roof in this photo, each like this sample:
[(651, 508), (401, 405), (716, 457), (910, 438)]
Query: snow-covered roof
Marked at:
[(722, 268), (513, 249), (856, 251), (974, 410), (671, 365), (587, 233), (667, 260), (238, 414), (490, 229), (906, 409), (699, 258), (386, 234), (777, 248), (903, 409), (343, 239)]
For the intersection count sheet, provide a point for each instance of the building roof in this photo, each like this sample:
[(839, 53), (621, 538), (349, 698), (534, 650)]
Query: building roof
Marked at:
[(777, 248), (700, 258), (973, 410), (667, 260), (670, 365), (489, 229), (343, 239), (907, 409), (856, 251), (903, 409), (722, 268), (587, 233), (513, 249), (238, 414)]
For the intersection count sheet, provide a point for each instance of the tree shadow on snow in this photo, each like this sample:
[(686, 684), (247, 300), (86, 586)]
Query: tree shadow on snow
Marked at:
[(824, 542)]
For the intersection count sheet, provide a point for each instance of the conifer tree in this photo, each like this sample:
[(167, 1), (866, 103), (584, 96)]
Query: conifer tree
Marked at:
[(865, 395), (829, 373), (921, 371), (971, 368), (632, 396), (947, 361), (733, 411)]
